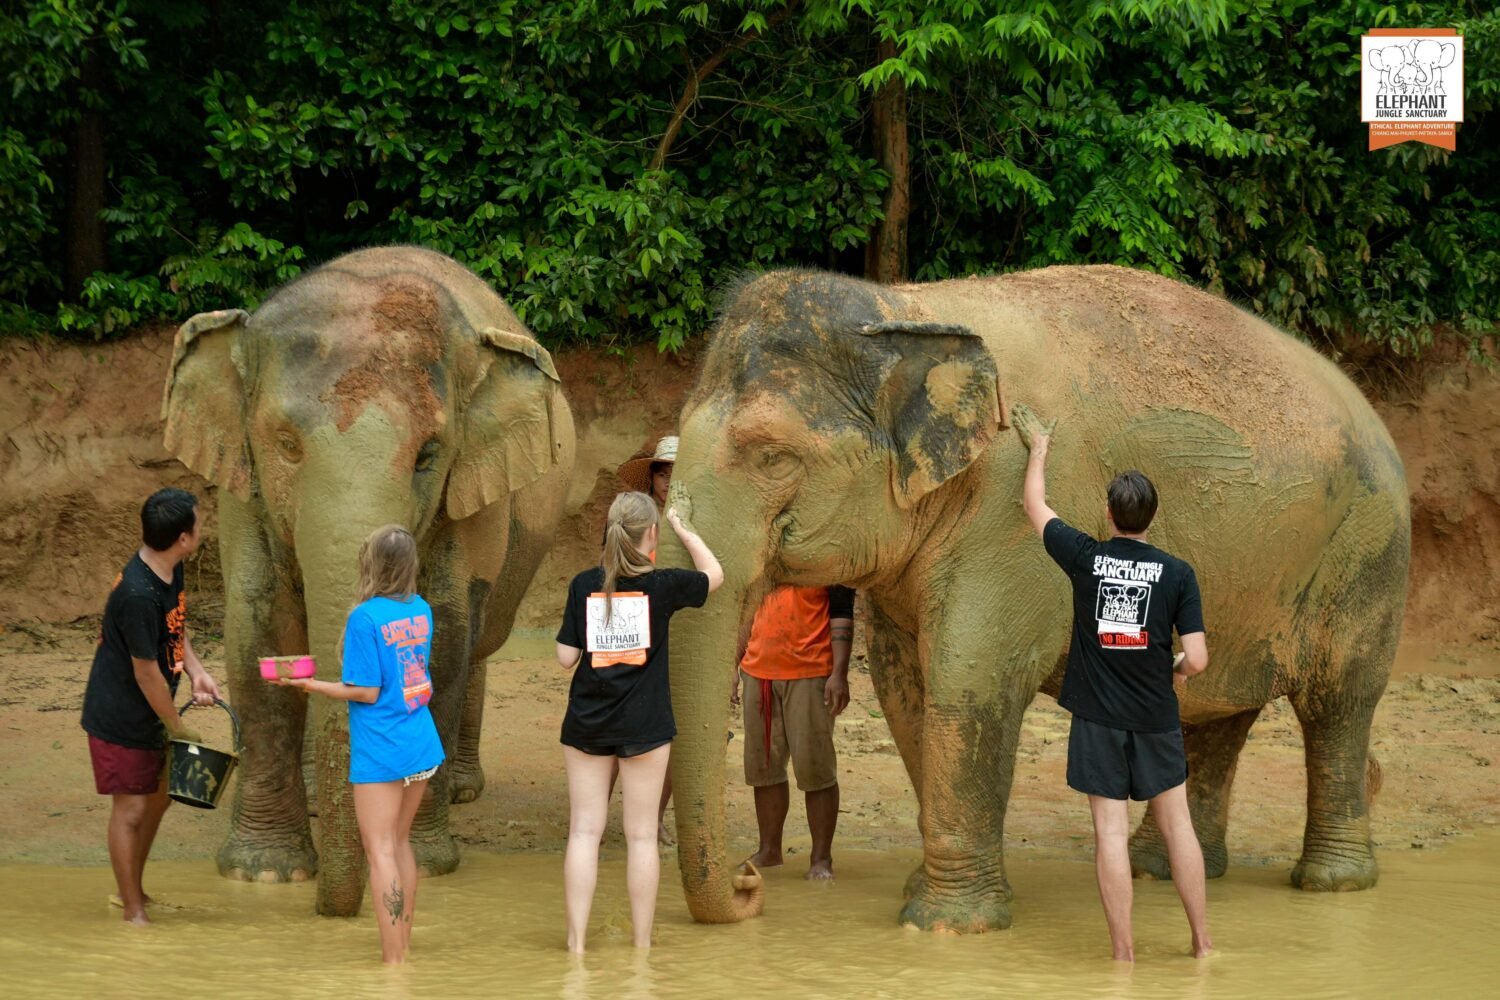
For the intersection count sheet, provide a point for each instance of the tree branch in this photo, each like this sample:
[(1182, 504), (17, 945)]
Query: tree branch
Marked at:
[(695, 80)]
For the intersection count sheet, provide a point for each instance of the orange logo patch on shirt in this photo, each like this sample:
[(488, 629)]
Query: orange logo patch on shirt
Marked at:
[(622, 633)]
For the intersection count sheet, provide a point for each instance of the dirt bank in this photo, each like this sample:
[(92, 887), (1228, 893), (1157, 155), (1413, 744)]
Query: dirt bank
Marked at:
[(82, 445), (1449, 436)]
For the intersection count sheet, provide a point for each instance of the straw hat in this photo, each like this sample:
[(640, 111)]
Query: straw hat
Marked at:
[(637, 471)]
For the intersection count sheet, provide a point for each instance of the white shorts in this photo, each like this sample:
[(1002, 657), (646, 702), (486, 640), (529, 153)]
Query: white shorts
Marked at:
[(419, 776)]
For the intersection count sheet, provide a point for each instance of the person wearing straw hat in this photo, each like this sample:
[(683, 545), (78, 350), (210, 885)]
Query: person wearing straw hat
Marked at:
[(652, 474)]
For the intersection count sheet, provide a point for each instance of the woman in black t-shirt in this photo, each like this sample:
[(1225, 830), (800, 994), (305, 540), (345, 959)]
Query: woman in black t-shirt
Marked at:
[(614, 632)]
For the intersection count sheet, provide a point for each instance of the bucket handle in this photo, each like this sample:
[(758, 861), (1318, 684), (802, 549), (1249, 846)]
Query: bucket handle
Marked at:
[(234, 720)]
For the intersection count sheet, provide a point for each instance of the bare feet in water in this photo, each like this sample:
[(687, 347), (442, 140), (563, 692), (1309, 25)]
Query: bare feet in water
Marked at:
[(820, 871), (765, 858), (119, 904)]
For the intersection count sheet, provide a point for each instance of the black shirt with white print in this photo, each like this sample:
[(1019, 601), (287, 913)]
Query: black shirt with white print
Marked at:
[(621, 692), (143, 620), (1128, 596)]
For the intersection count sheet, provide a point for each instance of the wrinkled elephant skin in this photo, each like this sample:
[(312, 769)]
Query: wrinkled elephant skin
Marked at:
[(388, 386), (842, 432)]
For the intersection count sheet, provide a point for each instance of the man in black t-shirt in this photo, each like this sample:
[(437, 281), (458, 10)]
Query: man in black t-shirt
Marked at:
[(127, 706), (1126, 740)]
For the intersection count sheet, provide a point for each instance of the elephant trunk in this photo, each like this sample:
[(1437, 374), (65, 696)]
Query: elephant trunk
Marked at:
[(328, 541), (703, 644)]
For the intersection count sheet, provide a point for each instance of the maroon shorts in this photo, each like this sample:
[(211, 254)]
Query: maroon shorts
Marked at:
[(124, 770)]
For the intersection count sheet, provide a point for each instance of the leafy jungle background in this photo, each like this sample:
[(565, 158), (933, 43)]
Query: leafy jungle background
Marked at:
[(607, 165)]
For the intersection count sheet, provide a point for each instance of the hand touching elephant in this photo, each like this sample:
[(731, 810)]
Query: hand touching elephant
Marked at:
[(1030, 427), (388, 386)]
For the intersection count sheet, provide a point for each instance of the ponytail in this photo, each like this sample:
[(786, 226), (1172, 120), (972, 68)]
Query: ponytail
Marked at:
[(630, 517)]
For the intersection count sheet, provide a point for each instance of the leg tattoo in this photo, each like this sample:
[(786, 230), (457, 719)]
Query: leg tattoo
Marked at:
[(395, 902)]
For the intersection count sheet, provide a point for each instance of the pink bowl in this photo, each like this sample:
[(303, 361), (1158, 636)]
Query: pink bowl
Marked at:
[(272, 667)]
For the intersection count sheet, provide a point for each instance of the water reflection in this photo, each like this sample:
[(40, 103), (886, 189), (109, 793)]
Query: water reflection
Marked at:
[(495, 928)]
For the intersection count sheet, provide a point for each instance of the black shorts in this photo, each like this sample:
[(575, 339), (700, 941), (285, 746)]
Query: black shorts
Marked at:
[(1119, 764), (624, 749)]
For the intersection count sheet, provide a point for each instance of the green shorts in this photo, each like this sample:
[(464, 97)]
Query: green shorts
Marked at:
[(801, 730)]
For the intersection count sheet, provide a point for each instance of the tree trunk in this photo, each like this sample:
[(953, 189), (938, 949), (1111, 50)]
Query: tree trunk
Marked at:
[(85, 192), (885, 254)]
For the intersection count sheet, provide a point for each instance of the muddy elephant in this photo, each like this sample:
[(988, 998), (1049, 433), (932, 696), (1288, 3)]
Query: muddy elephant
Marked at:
[(389, 385), (843, 432)]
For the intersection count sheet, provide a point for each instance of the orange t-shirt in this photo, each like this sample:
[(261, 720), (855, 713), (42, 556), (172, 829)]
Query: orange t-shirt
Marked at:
[(789, 639)]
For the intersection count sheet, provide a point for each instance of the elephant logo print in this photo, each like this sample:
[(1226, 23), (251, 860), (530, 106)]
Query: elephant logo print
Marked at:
[(1413, 68), (1411, 85), (622, 634), (1121, 609), (411, 637)]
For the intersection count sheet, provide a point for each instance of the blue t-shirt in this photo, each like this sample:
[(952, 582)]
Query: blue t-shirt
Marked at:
[(386, 645)]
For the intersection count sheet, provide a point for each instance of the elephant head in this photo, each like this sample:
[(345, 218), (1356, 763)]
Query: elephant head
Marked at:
[(1389, 61), (390, 386), (828, 426), (1425, 57)]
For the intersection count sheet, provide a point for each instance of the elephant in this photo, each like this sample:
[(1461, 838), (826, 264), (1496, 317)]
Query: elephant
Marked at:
[(1425, 58), (1390, 61), (842, 432), (390, 385)]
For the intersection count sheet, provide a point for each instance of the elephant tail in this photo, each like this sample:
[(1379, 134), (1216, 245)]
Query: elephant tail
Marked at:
[(1374, 778)]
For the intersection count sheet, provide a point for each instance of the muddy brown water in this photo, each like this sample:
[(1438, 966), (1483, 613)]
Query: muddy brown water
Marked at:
[(495, 929)]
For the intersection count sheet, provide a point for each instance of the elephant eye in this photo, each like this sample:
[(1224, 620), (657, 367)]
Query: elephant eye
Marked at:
[(289, 446), (776, 463), (427, 457)]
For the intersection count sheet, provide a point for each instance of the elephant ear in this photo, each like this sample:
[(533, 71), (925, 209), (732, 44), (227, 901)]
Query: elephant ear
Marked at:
[(939, 402), (203, 403), (508, 440)]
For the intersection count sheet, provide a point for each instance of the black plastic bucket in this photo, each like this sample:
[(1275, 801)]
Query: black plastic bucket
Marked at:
[(196, 774)]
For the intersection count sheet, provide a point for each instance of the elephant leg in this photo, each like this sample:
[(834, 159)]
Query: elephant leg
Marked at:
[(465, 776), (433, 845), (269, 837), (309, 766), (1336, 850), (1357, 597), (896, 673), (967, 766), (1213, 753)]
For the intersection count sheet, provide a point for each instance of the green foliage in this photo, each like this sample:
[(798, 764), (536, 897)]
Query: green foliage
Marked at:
[(1213, 140)]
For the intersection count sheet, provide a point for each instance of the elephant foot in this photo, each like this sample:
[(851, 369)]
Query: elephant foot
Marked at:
[(1149, 859), (250, 861), (437, 854), (969, 915), (465, 781), (1349, 870), (916, 883)]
